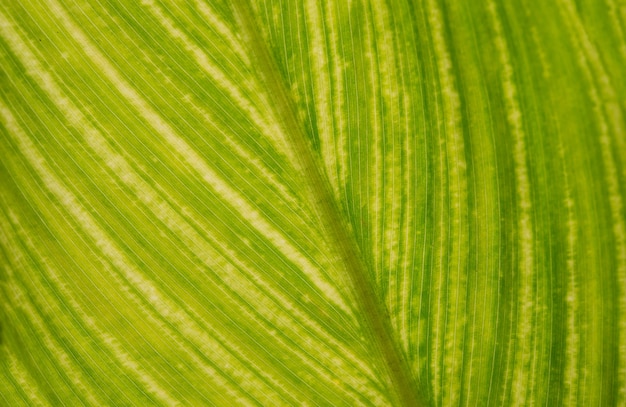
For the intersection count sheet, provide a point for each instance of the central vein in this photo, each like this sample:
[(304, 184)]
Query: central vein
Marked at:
[(374, 314)]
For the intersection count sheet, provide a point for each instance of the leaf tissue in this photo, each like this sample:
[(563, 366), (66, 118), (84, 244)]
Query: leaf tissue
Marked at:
[(312, 203)]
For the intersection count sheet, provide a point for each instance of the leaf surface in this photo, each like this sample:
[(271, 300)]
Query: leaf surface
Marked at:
[(331, 203)]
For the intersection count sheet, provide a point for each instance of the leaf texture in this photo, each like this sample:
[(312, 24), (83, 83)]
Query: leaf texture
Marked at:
[(325, 203)]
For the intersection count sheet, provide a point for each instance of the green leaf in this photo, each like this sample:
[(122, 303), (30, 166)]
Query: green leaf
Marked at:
[(329, 203)]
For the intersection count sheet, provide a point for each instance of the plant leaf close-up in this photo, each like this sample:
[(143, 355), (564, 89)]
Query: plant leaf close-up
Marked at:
[(312, 203)]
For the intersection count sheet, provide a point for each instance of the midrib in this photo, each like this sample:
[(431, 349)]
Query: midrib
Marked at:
[(374, 315)]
